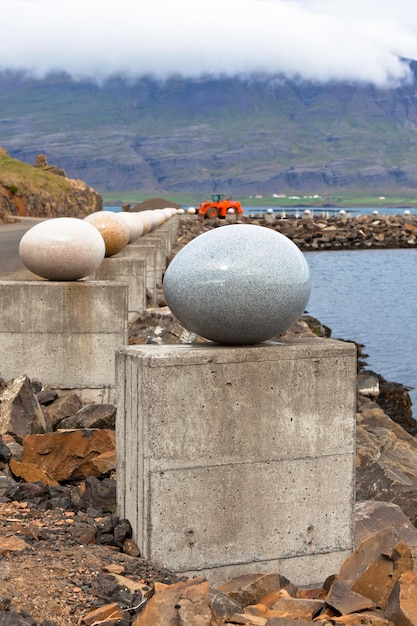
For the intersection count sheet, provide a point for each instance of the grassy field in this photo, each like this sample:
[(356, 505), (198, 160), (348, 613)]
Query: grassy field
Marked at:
[(19, 177), (337, 199)]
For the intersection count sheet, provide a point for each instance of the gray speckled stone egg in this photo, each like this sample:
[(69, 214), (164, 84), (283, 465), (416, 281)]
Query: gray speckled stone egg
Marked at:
[(238, 284), (63, 248)]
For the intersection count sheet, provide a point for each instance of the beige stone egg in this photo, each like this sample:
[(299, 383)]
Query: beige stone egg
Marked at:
[(146, 221), (155, 218), (133, 222), (63, 248), (114, 232)]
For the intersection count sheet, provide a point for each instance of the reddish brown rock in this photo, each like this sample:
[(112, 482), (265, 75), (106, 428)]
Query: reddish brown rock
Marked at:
[(402, 604), (31, 473), (130, 547), (296, 608), (223, 606), (109, 614), (372, 516), (64, 407), (248, 620), (133, 585), (251, 588), (12, 544), (69, 454), (289, 608), (97, 416), (20, 411), (386, 461), (185, 603), (375, 617), (344, 600), (105, 462), (373, 569)]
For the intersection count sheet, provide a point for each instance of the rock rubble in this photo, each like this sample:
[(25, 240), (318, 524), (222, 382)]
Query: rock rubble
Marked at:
[(67, 559), (68, 472), (339, 232)]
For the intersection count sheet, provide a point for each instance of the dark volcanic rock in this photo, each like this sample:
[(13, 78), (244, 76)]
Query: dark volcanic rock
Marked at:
[(395, 400)]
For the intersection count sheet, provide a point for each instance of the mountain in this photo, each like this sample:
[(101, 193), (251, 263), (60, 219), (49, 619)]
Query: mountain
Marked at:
[(233, 135)]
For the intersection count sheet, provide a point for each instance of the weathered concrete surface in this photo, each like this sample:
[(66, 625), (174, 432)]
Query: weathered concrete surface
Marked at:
[(171, 227), (146, 253), (163, 234), (63, 333), (130, 271), (158, 242), (236, 460)]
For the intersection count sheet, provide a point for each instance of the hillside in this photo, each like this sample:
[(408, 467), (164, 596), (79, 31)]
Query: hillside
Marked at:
[(227, 134), (42, 190)]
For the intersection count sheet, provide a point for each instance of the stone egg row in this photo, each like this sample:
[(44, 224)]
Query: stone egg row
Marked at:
[(68, 248)]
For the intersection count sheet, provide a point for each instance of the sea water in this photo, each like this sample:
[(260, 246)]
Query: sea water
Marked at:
[(370, 296)]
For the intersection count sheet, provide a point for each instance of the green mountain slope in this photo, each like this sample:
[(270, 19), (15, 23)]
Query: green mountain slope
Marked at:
[(227, 134)]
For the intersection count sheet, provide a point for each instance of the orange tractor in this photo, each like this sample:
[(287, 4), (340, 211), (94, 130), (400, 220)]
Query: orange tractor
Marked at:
[(219, 207)]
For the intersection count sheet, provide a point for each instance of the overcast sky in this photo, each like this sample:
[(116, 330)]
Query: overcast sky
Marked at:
[(316, 39)]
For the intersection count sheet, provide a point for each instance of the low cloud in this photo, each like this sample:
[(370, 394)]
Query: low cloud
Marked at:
[(312, 39)]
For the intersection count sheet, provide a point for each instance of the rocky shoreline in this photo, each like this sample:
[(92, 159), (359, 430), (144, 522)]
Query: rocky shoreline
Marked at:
[(340, 232), (60, 508), (66, 558)]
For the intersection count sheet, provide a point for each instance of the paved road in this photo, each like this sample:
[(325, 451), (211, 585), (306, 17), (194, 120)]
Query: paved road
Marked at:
[(10, 236)]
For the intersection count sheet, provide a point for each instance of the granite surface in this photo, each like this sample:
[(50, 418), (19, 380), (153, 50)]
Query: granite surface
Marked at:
[(114, 232), (64, 248), (239, 284), (133, 222)]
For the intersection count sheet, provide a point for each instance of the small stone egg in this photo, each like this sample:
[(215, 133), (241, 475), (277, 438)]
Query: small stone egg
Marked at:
[(114, 232), (146, 221), (238, 284), (154, 217), (133, 222), (168, 213), (160, 216), (191, 210), (62, 248)]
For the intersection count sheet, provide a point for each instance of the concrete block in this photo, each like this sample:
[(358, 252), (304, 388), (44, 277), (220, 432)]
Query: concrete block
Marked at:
[(239, 459), (159, 243), (161, 237), (146, 253), (130, 271), (64, 334), (171, 229)]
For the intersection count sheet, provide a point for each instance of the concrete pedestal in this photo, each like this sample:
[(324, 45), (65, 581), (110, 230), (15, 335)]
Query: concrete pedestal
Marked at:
[(146, 253), (162, 243), (239, 459), (159, 243), (132, 272), (63, 334)]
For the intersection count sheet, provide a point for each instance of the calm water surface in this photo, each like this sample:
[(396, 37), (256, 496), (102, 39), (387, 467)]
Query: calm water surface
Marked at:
[(370, 296)]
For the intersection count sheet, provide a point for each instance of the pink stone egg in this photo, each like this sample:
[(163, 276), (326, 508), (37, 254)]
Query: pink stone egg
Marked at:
[(114, 232), (63, 248)]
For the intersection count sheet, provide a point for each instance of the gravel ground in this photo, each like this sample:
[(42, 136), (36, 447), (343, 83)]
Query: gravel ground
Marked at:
[(54, 569)]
